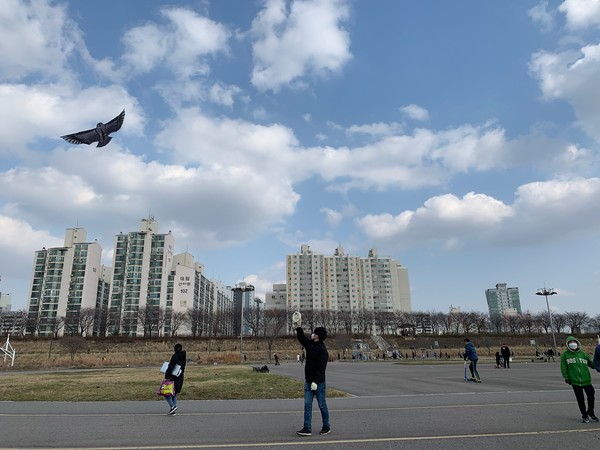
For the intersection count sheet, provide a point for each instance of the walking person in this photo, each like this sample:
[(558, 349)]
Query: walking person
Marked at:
[(471, 355), (574, 366), (177, 359), (505, 352), (314, 378)]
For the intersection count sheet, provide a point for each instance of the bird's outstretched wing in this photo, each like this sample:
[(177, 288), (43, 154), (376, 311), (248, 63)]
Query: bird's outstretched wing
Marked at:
[(116, 123), (82, 137)]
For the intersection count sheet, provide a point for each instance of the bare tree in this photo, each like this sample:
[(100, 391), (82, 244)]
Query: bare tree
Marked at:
[(438, 322), (74, 344), (152, 319), (384, 321), (178, 319), (559, 321), (528, 321), (71, 323), (194, 317), (275, 321), (574, 320), (86, 318), (346, 319), (497, 321)]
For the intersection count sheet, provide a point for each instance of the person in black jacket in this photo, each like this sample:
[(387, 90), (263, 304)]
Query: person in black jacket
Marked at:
[(314, 378), (505, 352), (178, 358)]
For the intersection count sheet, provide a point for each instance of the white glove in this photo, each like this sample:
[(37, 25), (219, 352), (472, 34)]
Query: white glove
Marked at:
[(313, 386)]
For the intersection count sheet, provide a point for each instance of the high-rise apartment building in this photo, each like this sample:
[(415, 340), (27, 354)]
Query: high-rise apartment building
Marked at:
[(141, 265), (243, 297), (503, 300), (346, 283), (65, 281), (189, 290)]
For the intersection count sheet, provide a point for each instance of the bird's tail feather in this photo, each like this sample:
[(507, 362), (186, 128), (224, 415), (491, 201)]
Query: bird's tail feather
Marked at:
[(104, 142)]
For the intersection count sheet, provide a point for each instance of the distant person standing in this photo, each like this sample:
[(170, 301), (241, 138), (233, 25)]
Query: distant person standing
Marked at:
[(574, 366), (314, 378), (505, 352), (471, 355), (498, 357), (178, 358)]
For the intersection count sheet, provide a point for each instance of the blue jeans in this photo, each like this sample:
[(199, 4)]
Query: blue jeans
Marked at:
[(171, 400), (473, 369), (308, 401)]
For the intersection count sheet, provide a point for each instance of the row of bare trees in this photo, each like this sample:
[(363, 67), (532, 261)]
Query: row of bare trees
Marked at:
[(156, 321)]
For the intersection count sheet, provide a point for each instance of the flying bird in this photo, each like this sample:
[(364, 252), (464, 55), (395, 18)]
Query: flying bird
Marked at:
[(99, 134)]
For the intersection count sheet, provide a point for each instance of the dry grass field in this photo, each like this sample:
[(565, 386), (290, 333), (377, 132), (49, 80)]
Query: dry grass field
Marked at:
[(119, 368), (37, 354)]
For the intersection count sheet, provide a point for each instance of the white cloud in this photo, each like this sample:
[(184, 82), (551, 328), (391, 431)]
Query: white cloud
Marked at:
[(542, 15), (415, 112), (332, 216), (376, 129), (581, 13), (223, 95), (572, 76), (72, 188), (49, 111), (18, 242), (35, 39), (542, 212), (184, 45), (306, 40)]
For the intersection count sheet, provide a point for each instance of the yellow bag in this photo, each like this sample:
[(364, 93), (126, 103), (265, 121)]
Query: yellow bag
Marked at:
[(166, 388)]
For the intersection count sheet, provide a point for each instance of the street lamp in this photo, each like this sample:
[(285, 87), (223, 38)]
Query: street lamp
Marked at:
[(546, 292)]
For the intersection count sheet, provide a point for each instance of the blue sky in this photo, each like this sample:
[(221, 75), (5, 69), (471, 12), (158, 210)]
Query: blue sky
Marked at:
[(460, 138)]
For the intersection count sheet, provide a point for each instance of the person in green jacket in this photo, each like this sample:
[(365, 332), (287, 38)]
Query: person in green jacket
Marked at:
[(574, 366)]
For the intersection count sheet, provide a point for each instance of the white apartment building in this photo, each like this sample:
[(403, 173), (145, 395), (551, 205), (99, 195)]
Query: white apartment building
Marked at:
[(346, 283), (141, 266), (64, 281), (277, 298)]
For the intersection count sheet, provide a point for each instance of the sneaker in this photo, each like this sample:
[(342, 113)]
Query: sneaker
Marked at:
[(172, 411), (592, 417), (325, 430), (585, 419), (478, 380), (304, 432)]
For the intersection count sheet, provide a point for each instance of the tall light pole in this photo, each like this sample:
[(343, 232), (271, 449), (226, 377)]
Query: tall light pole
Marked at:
[(546, 292)]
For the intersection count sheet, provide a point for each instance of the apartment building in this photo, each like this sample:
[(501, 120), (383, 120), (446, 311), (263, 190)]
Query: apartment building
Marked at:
[(65, 281), (346, 283)]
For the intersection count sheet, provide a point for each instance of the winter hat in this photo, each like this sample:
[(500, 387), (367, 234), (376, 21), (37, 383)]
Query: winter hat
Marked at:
[(321, 332)]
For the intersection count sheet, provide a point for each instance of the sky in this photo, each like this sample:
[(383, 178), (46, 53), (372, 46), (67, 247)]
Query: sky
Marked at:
[(460, 138)]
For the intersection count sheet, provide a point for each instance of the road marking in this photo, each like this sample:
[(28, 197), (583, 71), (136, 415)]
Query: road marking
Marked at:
[(300, 442), (250, 413)]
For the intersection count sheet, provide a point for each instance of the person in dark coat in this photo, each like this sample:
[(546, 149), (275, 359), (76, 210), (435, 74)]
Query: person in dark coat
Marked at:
[(505, 352), (471, 355), (314, 378), (178, 358)]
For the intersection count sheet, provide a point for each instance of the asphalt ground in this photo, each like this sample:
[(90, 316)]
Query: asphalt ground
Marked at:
[(392, 406)]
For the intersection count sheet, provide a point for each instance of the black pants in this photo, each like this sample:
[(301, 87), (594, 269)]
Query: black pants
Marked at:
[(506, 362), (589, 391)]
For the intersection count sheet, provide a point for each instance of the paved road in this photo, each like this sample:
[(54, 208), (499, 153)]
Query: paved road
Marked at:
[(393, 406)]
